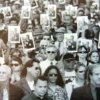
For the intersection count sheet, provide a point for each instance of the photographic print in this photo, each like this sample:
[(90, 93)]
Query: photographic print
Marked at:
[(71, 41), (81, 22), (52, 11), (44, 20), (7, 12), (61, 1), (34, 4), (28, 41), (25, 12), (84, 42), (14, 34)]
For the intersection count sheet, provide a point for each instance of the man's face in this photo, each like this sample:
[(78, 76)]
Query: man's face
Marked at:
[(51, 53), (68, 64), (16, 67), (41, 88), (95, 77), (68, 20), (60, 37), (3, 75), (34, 70)]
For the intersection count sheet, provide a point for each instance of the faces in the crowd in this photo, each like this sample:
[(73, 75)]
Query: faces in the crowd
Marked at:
[(34, 71), (40, 88), (81, 72), (52, 76), (16, 66), (60, 37), (94, 57), (95, 77), (68, 20), (82, 53), (51, 53), (68, 64), (5, 73)]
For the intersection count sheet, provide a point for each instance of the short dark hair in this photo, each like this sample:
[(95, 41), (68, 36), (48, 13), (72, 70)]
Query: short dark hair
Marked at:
[(13, 19), (29, 63), (42, 78)]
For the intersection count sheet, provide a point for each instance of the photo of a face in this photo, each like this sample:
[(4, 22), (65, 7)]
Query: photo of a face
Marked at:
[(25, 12), (71, 41), (14, 34), (52, 11), (28, 41)]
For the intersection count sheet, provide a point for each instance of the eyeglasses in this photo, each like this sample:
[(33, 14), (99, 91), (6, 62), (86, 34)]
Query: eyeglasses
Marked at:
[(51, 52), (82, 71), (14, 64), (53, 75), (37, 68)]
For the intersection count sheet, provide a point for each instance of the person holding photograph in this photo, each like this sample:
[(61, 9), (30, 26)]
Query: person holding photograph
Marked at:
[(28, 42)]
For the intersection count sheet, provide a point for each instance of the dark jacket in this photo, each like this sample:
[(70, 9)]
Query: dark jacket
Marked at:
[(32, 96), (84, 93), (15, 93)]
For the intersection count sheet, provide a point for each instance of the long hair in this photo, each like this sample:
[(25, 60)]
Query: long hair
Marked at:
[(59, 80), (29, 63)]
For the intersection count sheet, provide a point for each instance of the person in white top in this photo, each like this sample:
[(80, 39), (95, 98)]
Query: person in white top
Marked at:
[(51, 52)]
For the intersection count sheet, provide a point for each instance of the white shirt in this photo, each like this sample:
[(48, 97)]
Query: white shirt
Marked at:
[(45, 64), (31, 84), (5, 94), (62, 48)]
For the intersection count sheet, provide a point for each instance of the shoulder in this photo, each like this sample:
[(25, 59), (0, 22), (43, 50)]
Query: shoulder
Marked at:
[(80, 92)]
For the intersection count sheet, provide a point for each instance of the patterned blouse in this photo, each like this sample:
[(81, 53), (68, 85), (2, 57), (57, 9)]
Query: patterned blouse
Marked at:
[(59, 93)]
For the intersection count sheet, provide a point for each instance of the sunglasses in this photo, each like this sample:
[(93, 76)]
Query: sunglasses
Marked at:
[(37, 68), (81, 71), (14, 64), (51, 52), (53, 75)]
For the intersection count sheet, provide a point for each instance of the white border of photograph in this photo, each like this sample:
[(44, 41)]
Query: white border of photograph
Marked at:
[(26, 12), (14, 33), (36, 2), (61, 1), (67, 37), (52, 11), (7, 12), (23, 37)]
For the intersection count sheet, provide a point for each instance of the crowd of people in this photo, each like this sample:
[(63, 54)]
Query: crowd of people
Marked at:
[(49, 49)]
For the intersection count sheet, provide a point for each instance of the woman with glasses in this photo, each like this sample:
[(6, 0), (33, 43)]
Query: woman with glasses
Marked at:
[(16, 67), (55, 84), (93, 57), (82, 54), (29, 74), (79, 81)]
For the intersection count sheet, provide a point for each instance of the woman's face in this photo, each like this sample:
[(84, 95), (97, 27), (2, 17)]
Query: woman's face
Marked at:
[(52, 76), (94, 57), (81, 72), (82, 53)]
